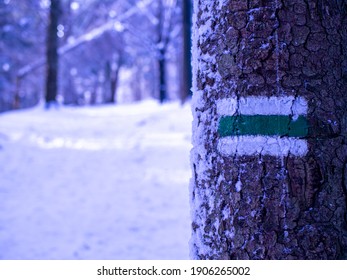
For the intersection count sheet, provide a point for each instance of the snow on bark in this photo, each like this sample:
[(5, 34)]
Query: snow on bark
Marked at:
[(202, 112), (282, 195)]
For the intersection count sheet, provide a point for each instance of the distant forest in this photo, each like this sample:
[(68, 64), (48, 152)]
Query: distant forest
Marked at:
[(88, 52)]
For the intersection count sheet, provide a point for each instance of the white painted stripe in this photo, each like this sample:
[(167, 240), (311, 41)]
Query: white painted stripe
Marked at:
[(252, 145), (261, 105)]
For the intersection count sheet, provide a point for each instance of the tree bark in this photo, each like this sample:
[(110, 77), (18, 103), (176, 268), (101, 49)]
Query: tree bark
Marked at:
[(286, 199), (52, 54)]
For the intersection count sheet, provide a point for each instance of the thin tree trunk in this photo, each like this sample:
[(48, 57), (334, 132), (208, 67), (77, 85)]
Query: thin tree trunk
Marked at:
[(163, 29), (70, 94), (114, 82), (187, 69), (161, 52), (162, 76), (270, 131), (111, 79), (52, 54), (137, 83)]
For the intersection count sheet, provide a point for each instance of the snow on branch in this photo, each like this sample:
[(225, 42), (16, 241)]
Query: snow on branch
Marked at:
[(91, 35)]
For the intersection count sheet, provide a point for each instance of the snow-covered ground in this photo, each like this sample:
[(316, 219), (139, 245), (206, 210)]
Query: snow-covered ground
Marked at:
[(106, 182)]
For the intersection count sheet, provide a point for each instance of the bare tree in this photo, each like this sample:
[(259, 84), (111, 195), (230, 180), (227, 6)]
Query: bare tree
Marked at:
[(52, 53), (187, 69), (164, 27), (80, 60)]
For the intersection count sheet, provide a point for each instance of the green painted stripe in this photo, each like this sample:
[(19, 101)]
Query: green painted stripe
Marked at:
[(271, 125)]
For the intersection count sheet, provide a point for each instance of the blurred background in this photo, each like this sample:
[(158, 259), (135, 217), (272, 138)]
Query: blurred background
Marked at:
[(93, 52), (80, 181)]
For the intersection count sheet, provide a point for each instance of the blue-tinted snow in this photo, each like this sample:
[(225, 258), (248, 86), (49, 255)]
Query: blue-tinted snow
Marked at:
[(95, 183)]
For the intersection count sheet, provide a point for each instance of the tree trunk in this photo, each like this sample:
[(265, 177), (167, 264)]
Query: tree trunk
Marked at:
[(70, 94), (52, 54), (187, 68), (269, 154), (163, 29), (111, 79), (114, 82), (162, 76), (137, 83)]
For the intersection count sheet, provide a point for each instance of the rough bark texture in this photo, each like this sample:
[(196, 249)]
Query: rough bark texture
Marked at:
[(288, 207)]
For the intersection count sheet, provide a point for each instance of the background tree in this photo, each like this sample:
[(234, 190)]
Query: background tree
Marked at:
[(270, 108), (21, 29), (164, 26), (187, 34), (52, 53), (92, 34)]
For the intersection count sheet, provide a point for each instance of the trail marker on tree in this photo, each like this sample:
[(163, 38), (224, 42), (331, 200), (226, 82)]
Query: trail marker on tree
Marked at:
[(269, 157), (257, 124)]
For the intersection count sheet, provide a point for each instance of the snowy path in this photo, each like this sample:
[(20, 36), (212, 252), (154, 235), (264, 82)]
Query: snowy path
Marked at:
[(95, 183)]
